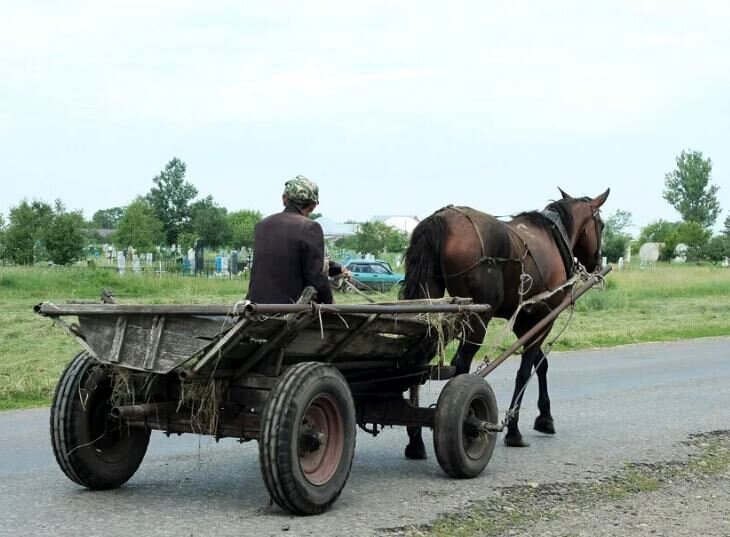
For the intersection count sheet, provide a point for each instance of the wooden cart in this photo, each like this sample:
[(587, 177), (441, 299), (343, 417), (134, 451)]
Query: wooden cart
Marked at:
[(298, 378)]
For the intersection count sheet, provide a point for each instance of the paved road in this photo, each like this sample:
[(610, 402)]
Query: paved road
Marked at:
[(634, 403)]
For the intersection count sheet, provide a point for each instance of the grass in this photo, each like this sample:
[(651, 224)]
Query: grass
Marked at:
[(665, 303)]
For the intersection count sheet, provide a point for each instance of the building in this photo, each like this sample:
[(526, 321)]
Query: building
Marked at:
[(402, 223)]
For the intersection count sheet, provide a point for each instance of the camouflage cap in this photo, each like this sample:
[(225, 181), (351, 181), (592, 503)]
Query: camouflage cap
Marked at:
[(301, 189)]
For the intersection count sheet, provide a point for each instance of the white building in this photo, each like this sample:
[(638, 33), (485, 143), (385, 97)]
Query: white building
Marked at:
[(401, 223)]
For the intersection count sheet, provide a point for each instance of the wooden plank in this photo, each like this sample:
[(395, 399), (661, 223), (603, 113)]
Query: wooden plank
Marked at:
[(230, 338), (349, 337), (158, 324), (119, 333)]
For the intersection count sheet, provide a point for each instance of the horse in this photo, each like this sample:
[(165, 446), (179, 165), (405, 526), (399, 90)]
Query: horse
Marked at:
[(472, 254)]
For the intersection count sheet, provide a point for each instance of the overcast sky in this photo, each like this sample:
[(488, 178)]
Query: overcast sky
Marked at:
[(391, 107)]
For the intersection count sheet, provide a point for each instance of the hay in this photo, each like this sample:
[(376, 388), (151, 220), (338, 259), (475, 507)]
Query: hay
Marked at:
[(201, 398), (204, 399)]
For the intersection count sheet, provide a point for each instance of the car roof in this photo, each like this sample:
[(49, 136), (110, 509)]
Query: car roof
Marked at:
[(363, 261)]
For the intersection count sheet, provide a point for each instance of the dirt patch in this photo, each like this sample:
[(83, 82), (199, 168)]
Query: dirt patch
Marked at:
[(675, 498)]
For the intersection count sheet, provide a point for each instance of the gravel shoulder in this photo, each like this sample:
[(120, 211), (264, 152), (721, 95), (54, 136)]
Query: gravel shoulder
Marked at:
[(672, 499)]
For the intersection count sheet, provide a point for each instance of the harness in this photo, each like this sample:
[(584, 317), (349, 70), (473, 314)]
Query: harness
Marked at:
[(558, 232), (560, 236)]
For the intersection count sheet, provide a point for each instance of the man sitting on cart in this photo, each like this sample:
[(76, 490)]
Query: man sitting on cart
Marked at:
[(289, 250)]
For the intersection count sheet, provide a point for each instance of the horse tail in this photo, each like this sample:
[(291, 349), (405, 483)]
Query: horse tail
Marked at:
[(423, 258)]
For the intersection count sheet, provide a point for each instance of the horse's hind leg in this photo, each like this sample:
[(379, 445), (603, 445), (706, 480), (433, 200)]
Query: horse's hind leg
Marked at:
[(469, 345), (415, 449), (543, 422)]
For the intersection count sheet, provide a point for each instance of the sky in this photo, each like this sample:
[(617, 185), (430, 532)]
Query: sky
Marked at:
[(391, 107)]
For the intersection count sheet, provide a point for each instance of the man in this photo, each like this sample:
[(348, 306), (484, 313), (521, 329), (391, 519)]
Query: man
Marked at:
[(289, 250)]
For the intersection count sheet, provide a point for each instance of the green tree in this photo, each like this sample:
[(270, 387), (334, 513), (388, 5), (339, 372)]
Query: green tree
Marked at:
[(64, 237), (170, 199), (689, 191), (657, 231), (209, 222), (717, 248), (726, 231), (139, 227), (2, 233), (242, 224), (377, 237), (692, 234), (107, 218), (615, 239), (23, 235)]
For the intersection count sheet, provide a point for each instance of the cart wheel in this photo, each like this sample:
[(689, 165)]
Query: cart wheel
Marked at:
[(92, 448), (307, 438), (461, 449)]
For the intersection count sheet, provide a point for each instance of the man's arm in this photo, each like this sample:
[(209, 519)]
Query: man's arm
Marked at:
[(313, 262)]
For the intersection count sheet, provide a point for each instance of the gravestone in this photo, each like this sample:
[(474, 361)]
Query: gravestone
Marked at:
[(726, 262), (148, 258), (234, 263), (135, 264), (620, 264), (649, 253), (604, 261), (199, 257), (121, 262), (224, 265)]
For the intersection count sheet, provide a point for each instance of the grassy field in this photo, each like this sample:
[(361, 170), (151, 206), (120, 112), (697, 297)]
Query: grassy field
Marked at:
[(665, 303)]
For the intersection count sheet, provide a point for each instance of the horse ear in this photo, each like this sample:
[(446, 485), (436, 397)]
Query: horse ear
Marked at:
[(565, 196), (600, 200)]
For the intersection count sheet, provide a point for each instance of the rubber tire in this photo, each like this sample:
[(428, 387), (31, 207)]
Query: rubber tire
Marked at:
[(448, 436), (99, 465), (279, 440)]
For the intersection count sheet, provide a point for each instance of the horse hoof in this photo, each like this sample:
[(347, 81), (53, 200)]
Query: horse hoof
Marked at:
[(544, 425), (416, 452), (515, 441)]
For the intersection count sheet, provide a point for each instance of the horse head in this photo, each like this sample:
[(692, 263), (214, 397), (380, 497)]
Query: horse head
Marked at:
[(587, 228)]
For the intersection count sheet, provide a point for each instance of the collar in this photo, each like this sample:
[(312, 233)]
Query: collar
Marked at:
[(291, 208), (560, 235)]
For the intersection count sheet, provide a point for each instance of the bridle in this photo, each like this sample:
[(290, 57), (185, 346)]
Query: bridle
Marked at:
[(596, 217)]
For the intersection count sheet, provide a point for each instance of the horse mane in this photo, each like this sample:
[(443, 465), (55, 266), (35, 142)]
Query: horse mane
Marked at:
[(562, 207)]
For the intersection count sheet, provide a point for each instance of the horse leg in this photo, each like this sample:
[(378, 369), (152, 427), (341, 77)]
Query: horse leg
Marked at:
[(530, 357), (415, 449), (513, 438), (543, 422), (469, 345)]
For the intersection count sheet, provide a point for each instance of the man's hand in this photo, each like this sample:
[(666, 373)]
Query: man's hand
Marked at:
[(346, 274)]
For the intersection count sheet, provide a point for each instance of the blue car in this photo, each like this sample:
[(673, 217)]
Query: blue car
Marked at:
[(373, 274)]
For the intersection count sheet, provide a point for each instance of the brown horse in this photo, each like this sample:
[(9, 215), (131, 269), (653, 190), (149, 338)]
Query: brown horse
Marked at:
[(472, 254)]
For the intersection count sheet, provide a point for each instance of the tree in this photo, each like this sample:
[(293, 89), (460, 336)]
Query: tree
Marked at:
[(139, 227), (2, 232), (692, 234), (314, 216), (726, 231), (657, 231), (615, 239), (23, 235), (689, 191), (64, 237), (107, 218), (717, 249), (209, 222), (242, 224), (170, 199), (375, 237)]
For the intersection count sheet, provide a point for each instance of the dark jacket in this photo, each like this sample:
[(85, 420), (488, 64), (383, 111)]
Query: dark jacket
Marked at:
[(288, 256)]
